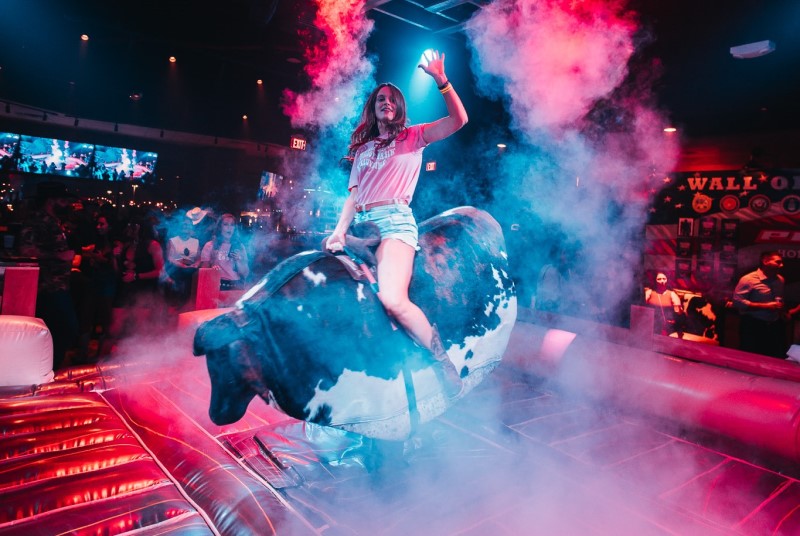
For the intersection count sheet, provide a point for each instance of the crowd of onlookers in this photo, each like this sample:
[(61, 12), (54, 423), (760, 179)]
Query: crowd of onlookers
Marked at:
[(107, 271), (764, 321)]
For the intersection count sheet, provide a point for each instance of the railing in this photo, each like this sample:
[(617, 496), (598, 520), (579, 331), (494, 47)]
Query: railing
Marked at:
[(206, 293), (640, 335)]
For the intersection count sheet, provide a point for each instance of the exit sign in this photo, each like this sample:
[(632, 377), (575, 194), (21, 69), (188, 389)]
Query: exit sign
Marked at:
[(430, 166), (298, 143)]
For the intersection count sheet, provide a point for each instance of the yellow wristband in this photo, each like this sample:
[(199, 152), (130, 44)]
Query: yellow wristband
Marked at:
[(446, 88)]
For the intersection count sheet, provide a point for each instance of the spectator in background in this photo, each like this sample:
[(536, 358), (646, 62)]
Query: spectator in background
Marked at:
[(100, 272), (183, 258), (552, 283), (204, 223), (669, 311), (759, 299), (226, 253), (142, 266), (42, 237)]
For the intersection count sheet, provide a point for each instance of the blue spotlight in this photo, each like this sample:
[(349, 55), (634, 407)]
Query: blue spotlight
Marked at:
[(420, 84)]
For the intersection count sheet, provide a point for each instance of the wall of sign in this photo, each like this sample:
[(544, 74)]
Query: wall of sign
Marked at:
[(706, 229)]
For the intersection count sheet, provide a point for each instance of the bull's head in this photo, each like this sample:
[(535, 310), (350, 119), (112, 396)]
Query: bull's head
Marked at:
[(233, 369)]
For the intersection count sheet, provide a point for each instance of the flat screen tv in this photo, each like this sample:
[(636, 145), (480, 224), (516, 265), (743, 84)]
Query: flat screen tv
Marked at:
[(144, 165), (8, 146), (51, 156), (123, 164), (269, 185)]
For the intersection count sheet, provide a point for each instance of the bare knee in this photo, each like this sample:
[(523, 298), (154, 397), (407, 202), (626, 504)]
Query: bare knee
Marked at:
[(395, 305)]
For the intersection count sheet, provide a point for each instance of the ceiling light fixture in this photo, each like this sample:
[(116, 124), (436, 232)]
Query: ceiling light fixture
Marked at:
[(173, 59), (752, 50), (84, 37), (670, 130)]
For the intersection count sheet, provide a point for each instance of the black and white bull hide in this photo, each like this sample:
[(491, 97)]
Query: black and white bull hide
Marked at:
[(316, 342)]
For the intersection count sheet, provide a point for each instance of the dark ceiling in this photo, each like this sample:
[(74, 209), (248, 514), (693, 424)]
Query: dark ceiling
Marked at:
[(224, 47)]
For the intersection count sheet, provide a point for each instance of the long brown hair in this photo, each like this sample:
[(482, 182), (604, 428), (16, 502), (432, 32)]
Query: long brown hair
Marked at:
[(236, 243), (367, 128)]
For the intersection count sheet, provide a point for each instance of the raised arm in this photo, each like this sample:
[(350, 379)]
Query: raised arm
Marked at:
[(456, 113)]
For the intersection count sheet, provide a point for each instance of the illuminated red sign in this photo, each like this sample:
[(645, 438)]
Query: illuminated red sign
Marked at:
[(775, 235), (298, 143)]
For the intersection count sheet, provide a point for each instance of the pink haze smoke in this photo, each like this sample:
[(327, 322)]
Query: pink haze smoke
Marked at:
[(555, 57), (552, 61), (337, 66)]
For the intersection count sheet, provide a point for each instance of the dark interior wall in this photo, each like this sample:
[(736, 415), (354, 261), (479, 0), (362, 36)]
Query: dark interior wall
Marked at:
[(187, 174), (777, 149), (191, 174)]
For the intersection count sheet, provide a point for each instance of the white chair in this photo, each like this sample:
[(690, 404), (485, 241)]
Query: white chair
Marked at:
[(26, 351)]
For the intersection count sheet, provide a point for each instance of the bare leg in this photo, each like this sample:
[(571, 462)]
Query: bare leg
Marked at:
[(395, 265)]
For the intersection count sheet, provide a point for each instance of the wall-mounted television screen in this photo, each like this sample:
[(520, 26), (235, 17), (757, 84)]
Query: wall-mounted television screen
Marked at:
[(123, 164), (144, 165), (269, 185), (51, 156), (8, 145)]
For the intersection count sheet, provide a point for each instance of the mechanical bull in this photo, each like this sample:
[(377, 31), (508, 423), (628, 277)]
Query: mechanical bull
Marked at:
[(313, 339)]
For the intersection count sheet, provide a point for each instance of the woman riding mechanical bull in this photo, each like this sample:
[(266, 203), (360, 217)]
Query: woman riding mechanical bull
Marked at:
[(350, 370), (387, 158)]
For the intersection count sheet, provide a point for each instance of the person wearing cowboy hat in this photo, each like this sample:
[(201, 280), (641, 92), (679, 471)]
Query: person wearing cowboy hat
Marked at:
[(196, 215), (204, 223)]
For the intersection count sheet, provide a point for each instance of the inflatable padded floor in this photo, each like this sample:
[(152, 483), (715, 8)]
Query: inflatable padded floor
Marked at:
[(127, 447)]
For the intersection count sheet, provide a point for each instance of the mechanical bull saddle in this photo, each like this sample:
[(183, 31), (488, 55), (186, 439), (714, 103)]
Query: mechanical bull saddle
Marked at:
[(313, 339)]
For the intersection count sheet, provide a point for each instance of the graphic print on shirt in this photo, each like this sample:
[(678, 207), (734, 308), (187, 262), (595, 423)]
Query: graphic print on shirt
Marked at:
[(366, 160)]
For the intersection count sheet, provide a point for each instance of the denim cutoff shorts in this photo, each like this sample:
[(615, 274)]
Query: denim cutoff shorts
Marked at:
[(394, 221)]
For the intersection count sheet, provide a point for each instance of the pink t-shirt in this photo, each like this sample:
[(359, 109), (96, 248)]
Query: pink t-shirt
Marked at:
[(393, 172), (221, 258)]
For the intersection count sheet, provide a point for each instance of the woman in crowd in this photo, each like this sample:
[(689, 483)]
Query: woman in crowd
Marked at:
[(100, 271), (669, 311), (387, 157), (142, 265), (226, 253)]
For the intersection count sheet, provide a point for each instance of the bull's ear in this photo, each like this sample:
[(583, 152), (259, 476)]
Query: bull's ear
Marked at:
[(199, 346), (214, 334)]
